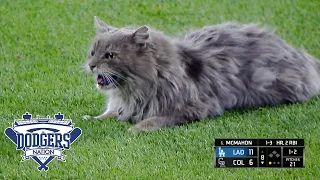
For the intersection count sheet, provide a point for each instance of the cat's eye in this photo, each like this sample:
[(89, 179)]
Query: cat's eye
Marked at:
[(109, 55), (92, 53)]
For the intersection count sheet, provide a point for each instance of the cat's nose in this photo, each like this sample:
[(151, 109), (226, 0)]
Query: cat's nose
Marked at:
[(92, 66)]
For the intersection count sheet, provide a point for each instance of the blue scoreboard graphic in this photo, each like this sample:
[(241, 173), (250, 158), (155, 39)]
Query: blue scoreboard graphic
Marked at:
[(268, 153)]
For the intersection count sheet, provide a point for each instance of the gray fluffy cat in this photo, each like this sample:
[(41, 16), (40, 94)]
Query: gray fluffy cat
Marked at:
[(155, 81)]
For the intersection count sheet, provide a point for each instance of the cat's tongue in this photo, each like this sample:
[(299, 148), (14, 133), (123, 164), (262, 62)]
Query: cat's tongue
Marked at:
[(102, 81)]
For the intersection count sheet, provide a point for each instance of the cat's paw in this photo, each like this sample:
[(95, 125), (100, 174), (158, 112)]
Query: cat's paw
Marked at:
[(135, 129), (141, 127), (88, 117), (147, 125)]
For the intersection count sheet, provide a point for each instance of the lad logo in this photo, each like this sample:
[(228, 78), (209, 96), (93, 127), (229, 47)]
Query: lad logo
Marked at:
[(43, 139)]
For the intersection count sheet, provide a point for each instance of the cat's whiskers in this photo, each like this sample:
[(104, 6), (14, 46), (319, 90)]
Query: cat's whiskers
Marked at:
[(84, 68), (119, 85), (112, 80), (108, 77), (117, 74)]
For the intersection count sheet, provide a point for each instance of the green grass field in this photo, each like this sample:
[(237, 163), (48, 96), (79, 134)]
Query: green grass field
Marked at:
[(44, 45)]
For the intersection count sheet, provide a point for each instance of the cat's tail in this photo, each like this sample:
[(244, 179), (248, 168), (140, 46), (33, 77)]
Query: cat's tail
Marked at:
[(318, 66), (318, 70)]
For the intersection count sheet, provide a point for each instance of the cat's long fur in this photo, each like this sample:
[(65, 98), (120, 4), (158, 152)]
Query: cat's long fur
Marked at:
[(172, 82)]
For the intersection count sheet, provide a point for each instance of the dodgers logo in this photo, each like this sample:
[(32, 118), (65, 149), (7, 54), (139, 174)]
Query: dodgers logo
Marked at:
[(43, 139)]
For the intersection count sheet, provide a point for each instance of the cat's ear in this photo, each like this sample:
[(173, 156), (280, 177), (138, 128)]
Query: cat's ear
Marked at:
[(141, 35), (102, 27)]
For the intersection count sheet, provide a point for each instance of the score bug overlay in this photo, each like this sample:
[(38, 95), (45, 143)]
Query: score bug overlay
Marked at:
[(266, 153)]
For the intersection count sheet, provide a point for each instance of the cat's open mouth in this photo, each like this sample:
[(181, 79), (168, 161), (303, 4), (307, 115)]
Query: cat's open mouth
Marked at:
[(106, 81)]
